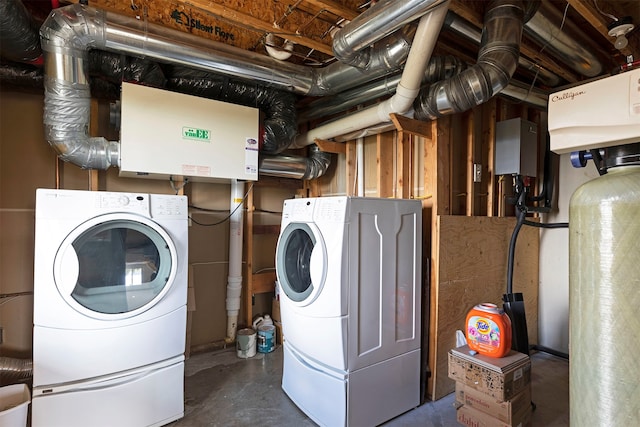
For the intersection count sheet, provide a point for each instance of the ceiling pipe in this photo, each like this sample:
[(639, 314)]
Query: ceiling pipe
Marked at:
[(298, 167), (440, 67), (497, 61), (465, 29), (69, 32), (406, 91), (518, 92), (281, 53), (548, 28), (387, 16)]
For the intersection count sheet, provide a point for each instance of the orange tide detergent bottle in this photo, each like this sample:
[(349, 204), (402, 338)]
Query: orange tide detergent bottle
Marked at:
[(489, 330)]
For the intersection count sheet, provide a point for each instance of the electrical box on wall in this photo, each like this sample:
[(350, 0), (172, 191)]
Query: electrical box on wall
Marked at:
[(516, 147), (166, 134)]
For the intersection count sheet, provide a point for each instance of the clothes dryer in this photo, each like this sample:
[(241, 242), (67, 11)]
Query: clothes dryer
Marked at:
[(110, 293), (349, 271)]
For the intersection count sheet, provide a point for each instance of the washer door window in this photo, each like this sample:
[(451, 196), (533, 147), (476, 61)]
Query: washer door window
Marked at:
[(300, 262), (115, 266)]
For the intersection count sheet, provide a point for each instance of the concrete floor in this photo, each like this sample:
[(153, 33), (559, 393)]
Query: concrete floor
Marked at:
[(223, 390)]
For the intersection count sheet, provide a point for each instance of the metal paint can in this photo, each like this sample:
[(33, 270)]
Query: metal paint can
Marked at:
[(266, 338), (246, 343)]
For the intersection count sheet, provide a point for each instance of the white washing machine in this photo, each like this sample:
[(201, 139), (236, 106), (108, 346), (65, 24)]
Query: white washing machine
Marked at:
[(110, 293), (349, 271)]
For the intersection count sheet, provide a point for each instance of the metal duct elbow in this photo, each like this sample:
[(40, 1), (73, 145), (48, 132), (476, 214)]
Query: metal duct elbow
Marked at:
[(12, 370), (497, 61), (19, 40), (385, 17), (66, 36), (297, 167)]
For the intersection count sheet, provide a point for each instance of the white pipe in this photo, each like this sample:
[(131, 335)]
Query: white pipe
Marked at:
[(281, 53), (360, 165), (234, 283), (406, 92)]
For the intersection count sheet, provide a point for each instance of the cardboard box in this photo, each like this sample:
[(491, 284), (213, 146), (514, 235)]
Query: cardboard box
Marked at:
[(279, 335), (502, 378), (275, 310), (470, 417), (508, 411)]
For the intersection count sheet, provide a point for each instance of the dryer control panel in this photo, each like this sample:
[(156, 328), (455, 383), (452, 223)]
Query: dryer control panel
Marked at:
[(125, 201)]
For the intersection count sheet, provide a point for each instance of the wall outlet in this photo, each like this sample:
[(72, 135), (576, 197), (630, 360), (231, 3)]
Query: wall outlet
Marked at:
[(477, 172)]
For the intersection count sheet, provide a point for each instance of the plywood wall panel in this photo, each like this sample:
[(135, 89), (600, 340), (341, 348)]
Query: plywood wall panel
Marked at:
[(471, 268)]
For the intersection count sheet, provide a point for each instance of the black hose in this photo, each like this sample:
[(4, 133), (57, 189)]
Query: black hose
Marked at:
[(521, 211), (550, 351)]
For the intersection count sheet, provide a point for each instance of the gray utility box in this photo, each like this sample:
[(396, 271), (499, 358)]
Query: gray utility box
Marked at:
[(516, 147)]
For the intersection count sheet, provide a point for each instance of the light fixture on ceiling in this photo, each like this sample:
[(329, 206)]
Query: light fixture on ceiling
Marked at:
[(619, 29)]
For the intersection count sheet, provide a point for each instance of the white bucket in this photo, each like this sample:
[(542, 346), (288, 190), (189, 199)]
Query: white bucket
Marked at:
[(246, 343), (14, 403)]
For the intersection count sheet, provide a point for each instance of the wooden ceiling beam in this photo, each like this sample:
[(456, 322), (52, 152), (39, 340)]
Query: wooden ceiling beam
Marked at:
[(334, 8), (599, 22), (247, 21)]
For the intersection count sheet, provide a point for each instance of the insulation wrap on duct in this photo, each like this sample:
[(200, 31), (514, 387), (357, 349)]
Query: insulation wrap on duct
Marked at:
[(118, 68), (604, 300), (67, 91), (18, 33), (66, 114)]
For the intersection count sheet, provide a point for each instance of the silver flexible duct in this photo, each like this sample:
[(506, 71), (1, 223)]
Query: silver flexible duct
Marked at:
[(298, 167), (69, 32), (497, 61), (12, 370)]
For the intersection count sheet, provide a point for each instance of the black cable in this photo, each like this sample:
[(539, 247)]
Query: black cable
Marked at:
[(225, 218), (215, 223), (546, 225)]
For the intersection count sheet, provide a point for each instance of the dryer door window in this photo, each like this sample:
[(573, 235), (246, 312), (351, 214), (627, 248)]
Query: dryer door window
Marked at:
[(115, 268), (300, 262)]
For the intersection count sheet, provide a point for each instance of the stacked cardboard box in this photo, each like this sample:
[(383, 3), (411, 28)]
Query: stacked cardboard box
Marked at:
[(491, 392)]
